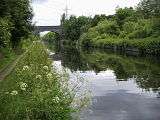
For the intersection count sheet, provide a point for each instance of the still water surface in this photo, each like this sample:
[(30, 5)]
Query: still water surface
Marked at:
[(123, 87)]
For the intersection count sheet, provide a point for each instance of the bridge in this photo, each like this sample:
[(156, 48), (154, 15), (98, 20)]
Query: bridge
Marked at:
[(57, 29)]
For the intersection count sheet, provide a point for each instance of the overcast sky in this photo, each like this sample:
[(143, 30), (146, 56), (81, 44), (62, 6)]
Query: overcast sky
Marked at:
[(48, 12)]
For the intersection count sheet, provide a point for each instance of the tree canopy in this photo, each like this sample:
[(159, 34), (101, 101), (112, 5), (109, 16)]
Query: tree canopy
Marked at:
[(19, 14)]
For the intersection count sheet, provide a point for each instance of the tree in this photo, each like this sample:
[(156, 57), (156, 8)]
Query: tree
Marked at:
[(108, 27), (72, 27), (126, 14), (63, 17), (149, 8), (4, 8), (5, 34), (97, 19), (21, 17)]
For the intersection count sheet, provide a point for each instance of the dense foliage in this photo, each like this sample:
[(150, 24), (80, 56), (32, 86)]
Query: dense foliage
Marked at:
[(72, 27), (149, 8), (51, 37), (128, 28), (15, 17), (5, 32), (34, 90)]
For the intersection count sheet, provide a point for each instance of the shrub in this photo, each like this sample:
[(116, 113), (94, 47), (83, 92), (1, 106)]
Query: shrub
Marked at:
[(108, 27), (140, 29), (86, 39), (49, 37), (5, 34)]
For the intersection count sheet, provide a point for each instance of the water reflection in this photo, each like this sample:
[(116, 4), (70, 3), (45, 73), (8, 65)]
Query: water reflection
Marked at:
[(145, 71)]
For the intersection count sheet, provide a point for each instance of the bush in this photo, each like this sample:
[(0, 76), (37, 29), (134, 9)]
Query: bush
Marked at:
[(49, 37), (5, 34), (140, 29), (86, 39), (108, 27)]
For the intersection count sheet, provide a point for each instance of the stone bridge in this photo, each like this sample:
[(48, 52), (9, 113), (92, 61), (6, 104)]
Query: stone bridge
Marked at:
[(57, 29)]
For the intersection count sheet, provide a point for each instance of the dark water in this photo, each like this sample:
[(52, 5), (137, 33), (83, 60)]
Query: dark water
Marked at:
[(124, 87)]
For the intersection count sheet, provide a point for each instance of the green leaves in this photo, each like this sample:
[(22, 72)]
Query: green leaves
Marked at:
[(5, 34), (50, 37), (72, 27), (19, 14), (149, 8)]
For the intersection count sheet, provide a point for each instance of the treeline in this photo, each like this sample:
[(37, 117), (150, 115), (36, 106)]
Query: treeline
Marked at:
[(128, 28), (15, 22)]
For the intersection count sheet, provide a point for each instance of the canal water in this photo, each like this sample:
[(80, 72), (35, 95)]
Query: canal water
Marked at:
[(123, 86)]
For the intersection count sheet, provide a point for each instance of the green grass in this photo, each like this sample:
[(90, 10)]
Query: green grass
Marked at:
[(7, 57), (34, 91)]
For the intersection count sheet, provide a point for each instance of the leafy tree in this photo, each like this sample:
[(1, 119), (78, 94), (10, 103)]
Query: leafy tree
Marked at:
[(97, 19), (63, 17), (49, 37), (156, 27), (149, 8), (4, 8), (5, 35), (19, 13), (72, 27), (108, 27), (21, 17), (126, 14), (140, 29)]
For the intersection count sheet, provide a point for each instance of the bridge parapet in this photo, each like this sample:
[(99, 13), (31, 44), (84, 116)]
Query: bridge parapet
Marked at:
[(39, 29)]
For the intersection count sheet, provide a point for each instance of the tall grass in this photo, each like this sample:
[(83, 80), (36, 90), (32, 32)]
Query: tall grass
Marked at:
[(34, 91), (7, 56)]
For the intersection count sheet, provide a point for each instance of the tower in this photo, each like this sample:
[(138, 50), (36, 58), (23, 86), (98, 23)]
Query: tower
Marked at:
[(66, 10)]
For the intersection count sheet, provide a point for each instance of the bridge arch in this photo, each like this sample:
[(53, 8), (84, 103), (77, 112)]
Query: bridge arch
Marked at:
[(56, 29)]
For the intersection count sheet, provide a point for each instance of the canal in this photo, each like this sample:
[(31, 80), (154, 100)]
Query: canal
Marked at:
[(123, 86)]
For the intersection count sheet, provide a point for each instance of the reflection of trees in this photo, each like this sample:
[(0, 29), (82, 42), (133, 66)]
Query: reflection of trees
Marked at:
[(145, 72), (71, 58), (117, 66), (147, 80)]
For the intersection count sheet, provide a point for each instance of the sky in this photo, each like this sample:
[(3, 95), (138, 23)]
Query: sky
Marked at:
[(48, 12)]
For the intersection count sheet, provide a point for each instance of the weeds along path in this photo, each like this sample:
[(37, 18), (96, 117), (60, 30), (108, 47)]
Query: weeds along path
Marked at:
[(8, 69), (4, 72)]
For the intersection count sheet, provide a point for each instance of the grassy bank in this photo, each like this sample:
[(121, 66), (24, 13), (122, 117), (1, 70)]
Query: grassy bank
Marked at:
[(34, 91), (148, 45), (6, 57)]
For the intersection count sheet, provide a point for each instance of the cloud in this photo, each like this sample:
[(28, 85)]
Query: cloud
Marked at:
[(48, 12), (39, 1)]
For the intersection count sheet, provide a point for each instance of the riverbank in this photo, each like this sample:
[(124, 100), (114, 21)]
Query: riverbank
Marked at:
[(34, 90), (149, 45), (6, 57)]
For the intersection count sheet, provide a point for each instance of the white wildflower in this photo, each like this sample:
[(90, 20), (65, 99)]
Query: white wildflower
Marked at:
[(14, 92), (25, 68), (49, 76), (56, 99), (23, 86), (38, 77), (45, 68)]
